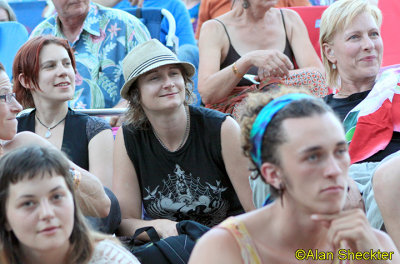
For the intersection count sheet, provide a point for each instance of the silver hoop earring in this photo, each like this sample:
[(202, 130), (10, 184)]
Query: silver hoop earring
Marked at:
[(245, 4)]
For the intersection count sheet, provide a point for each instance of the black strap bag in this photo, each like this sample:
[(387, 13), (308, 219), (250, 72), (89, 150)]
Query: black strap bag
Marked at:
[(170, 250)]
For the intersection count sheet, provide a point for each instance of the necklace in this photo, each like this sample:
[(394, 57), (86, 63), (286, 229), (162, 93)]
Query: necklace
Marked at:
[(184, 136), (48, 133), (342, 95)]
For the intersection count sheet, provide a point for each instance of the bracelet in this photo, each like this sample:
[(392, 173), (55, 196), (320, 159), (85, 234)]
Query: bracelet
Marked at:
[(76, 177), (236, 71)]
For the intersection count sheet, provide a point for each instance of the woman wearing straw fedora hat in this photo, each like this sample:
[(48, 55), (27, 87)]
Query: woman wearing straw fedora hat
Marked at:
[(182, 162)]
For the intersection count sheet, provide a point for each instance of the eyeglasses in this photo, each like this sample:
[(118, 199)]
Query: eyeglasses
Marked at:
[(7, 98)]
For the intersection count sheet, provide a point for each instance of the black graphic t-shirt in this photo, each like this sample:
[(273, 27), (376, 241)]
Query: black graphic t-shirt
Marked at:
[(189, 184)]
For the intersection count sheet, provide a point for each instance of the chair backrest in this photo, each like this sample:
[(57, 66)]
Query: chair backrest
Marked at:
[(12, 36), (152, 18), (311, 16), (389, 31), (29, 13)]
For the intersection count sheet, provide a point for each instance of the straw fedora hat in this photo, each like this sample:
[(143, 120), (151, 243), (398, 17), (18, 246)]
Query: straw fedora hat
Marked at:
[(146, 57)]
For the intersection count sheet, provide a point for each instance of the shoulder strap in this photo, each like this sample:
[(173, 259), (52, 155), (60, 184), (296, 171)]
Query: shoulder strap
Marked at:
[(288, 49), (242, 237), (283, 21), (226, 31)]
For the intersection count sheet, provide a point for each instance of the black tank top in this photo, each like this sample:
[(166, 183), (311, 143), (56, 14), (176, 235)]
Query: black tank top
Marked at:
[(75, 140), (233, 55), (189, 184)]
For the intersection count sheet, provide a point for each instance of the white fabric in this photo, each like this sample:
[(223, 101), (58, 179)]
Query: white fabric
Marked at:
[(108, 252)]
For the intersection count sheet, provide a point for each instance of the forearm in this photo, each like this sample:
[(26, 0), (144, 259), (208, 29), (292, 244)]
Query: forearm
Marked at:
[(117, 120), (91, 197), (121, 104), (128, 226), (219, 85), (163, 227), (313, 64)]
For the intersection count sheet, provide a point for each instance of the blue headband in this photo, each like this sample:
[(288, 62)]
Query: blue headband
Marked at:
[(264, 117)]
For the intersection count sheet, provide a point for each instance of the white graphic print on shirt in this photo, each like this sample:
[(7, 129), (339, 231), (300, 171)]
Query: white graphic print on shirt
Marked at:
[(183, 197)]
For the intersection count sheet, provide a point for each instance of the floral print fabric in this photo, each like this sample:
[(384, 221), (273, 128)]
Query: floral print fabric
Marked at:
[(106, 38), (233, 104)]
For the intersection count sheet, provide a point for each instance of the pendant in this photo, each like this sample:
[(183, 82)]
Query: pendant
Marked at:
[(48, 134)]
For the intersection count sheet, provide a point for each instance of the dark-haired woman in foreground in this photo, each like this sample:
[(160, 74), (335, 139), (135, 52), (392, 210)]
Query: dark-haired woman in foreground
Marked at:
[(39, 220)]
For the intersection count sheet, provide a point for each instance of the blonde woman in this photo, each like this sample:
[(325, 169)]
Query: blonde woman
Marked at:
[(367, 103)]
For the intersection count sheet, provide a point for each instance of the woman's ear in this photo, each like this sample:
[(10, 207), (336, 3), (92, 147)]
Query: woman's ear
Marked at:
[(271, 174), (329, 52), (21, 79)]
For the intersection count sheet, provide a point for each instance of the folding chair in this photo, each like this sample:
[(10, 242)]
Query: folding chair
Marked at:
[(12, 36), (311, 16), (29, 13), (152, 18)]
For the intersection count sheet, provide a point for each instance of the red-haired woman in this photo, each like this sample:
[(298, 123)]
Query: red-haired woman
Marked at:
[(44, 73)]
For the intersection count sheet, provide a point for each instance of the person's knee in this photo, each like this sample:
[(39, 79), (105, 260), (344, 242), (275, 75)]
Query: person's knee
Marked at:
[(378, 182), (387, 177)]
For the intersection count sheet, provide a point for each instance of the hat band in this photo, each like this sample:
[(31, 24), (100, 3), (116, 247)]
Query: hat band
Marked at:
[(149, 62)]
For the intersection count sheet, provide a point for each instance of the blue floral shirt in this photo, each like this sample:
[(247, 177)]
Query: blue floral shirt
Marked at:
[(106, 38)]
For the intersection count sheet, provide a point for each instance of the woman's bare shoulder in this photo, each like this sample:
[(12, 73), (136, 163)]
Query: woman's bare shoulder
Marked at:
[(387, 245), (384, 239), (25, 138), (216, 246), (291, 16), (213, 26)]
